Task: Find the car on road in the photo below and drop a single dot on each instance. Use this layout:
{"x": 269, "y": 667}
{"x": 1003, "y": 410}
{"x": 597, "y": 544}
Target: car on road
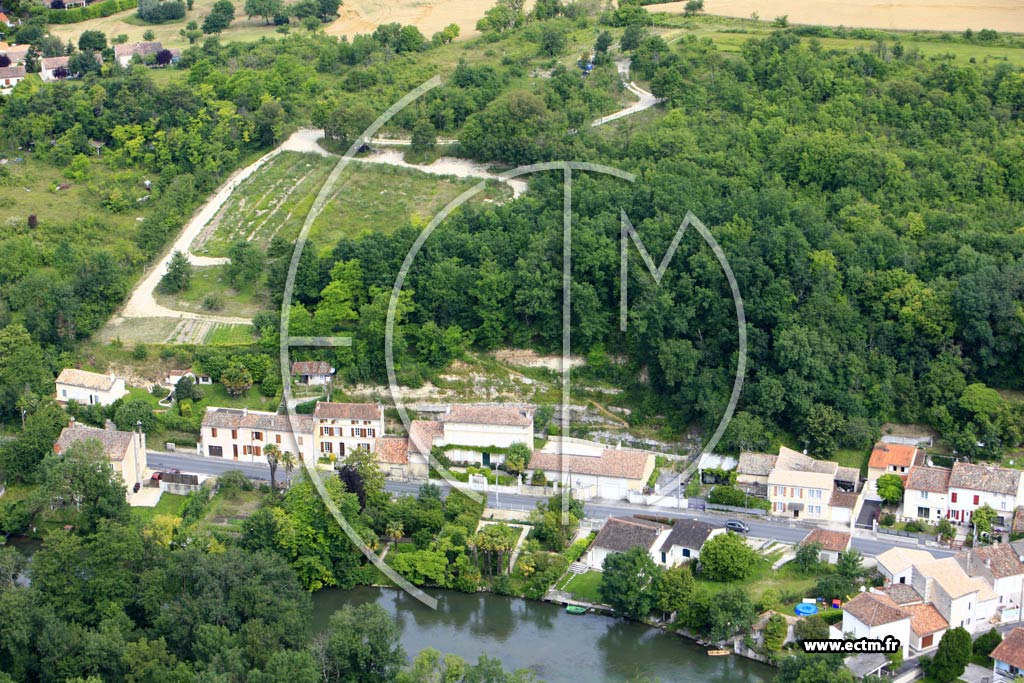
{"x": 737, "y": 526}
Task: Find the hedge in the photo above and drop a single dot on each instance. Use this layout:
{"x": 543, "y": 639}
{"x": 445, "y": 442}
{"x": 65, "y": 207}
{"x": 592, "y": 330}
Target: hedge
{"x": 728, "y": 495}
{"x": 97, "y": 9}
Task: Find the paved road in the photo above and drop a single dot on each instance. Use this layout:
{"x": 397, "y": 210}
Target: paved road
{"x": 779, "y": 530}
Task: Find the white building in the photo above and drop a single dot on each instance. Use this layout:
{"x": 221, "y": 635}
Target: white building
{"x": 1008, "y": 657}
{"x": 340, "y": 428}
{"x": 49, "y": 68}
{"x": 479, "y": 433}
{"x": 593, "y": 470}
{"x": 621, "y": 534}
{"x": 831, "y": 544}
{"x": 971, "y": 486}
{"x": 890, "y": 458}
{"x": 926, "y": 493}
{"x": 802, "y": 487}
{"x": 10, "y": 76}
{"x": 89, "y": 388}
{"x": 1002, "y": 568}
{"x": 961, "y": 599}
{"x": 896, "y": 565}
{"x": 241, "y": 435}
{"x": 312, "y": 372}
{"x": 876, "y": 616}
{"x": 125, "y": 52}
{"x": 685, "y": 541}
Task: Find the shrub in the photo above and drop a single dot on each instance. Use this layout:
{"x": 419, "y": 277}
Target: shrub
{"x": 888, "y": 519}
{"x": 730, "y": 495}
{"x": 914, "y": 526}
{"x": 157, "y": 12}
{"x": 987, "y": 642}
{"x": 140, "y": 352}
{"x": 233, "y": 482}
{"x": 538, "y": 478}
{"x": 213, "y": 302}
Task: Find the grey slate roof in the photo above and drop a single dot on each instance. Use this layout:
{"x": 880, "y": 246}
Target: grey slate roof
{"x": 984, "y": 478}
{"x": 689, "y": 533}
{"x": 620, "y": 534}
{"x": 115, "y": 443}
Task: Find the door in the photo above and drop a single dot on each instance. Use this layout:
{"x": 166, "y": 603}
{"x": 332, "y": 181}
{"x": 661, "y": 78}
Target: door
{"x": 234, "y": 449}
{"x": 487, "y": 460}
{"x": 796, "y": 513}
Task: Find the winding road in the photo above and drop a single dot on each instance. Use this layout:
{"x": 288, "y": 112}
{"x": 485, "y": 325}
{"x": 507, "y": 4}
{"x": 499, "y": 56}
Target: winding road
{"x": 142, "y": 302}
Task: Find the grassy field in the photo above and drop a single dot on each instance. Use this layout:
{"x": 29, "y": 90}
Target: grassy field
{"x": 367, "y": 198}
{"x": 212, "y": 281}
{"x": 169, "y": 504}
{"x": 229, "y": 511}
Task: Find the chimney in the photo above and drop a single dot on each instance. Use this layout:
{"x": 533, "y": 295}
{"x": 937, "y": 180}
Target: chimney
{"x": 245, "y": 412}
{"x": 988, "y": 562}
{"x": 72, "y": 422}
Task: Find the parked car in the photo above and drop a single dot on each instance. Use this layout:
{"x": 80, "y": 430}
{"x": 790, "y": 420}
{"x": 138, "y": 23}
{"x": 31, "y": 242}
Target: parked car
{"x": 135, "y": 489}
{"x": 156, "y": 476}
{"x": 737, "y": 526}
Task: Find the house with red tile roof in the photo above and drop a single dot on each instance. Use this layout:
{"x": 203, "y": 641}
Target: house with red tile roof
{"x": 1008, "y": 657}
{"x": 831, "y": 543}
{"x": 592, "y": 469}
{"x": 890, "y": 458}
{"x": 876, "y": 616}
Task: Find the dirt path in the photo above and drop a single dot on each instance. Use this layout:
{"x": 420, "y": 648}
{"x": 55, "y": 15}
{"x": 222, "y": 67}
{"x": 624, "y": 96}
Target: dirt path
{"x": 646, "y": 100}
{"x": 142, "y": 303}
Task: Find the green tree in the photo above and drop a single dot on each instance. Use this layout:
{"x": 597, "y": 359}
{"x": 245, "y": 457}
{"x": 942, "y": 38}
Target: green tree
{"x": 361, "y": 645}
{"x": 237, "y": 379}
{"x": 267, "y": 9}
{"x": 518, "y": 458}
{"x": 220, "y": 17}
{"x": 693, "y": 7}
{"x": 82, "y": 475}
{"x": 603, "y": 43}
{"x": 552, "y": 41}
{"x": 727, "y": 557}
{"x": 986, "y": 642}
{"x": 806, "y": 668}
{"x": 673, "y": 589}
{"x": 128, "y": 414}
{"x": 632, "y": 37}
{"x": 178, "y": 276}
{"x": 850, "y": 564}
{"x": 346, "y": 121}
{"x": 775, "y": 631}
{"x": 808, "y": 557}
{"x": 811, "y": 628}
{"x": 628, "y": 581}
{"x": 822, "y": 427}
{"x": 187, "y": 390}
{"x": 424, "y": 136}
{"x": 952, "y": 657}
{"x": 246, "y": 264}
{"x": 273, "y": 455}
{"x": 20, "y": 457}
{"x": 22, "y": 365}
{"x": 890, "y": 488}
{"x": 983, "y": 518}
{"x": 92, "y": 41}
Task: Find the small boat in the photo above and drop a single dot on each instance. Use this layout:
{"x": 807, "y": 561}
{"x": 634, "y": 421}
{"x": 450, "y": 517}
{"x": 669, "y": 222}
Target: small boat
{"x": 719, "y": 653}
{"x": 575, "y": 609}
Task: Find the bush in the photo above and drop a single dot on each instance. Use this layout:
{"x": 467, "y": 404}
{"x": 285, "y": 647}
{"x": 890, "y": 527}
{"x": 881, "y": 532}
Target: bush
{"x": 915, "y": 526}
{"x": 93, "y": 11}
{"x": 730, "y": 495}
{"x": 233, "y": 482}
{"x": 575, "y": 551}
{"x": 140, "y": 352}
{"x": 987, "y": 642}
{"x": 213, "y": 302}
{"x": 538, "y": 478}
{"x": 185, "y": 408}
{"x": 157, "y": 12}
{"x": 888, "y": 519}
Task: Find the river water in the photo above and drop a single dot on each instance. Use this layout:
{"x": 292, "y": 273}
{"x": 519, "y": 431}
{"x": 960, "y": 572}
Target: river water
{"x": 558, "y": 647}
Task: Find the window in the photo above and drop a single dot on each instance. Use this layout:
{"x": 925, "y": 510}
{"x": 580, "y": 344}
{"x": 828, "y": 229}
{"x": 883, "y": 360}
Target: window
{"x": 924, "y": 495}
{"x": 234, "y": 433}
{"x": 257, "y": 436}
{"x": 1002, "y": 505}
{"x": 686, "y": 552}
{"x": 213, "y": 432}
{"x": 365, "y": 446}
{"x": 326, "y": 447}
{"x": 373, "y": 432}
{"x": 952, "y": 497}
{"x": 923, "y": 512}
{"x": 927, "y": 640}
{"x": 63, "y": 392}
{"x": 277, "y": 438}
{"x": 216, "y": 452}
{"x": 814, "y": 509}
{"x": 300, "y": 440}
{"x": 976, "y": 499}
{"x": 664, "y": 558}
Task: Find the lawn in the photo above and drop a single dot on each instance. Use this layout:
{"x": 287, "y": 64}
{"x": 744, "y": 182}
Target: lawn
{"x": 169, "y": 504}
{"x": 787, "y": 582}
{"x": 853, "y": 457}
{"x": 229, "y": 511}
{"x": 230, "y": 335}
{"x": 582, "y": 586}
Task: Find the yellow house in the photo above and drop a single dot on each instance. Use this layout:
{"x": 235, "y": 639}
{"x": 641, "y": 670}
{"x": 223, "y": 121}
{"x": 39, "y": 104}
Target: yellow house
{"x": 125, "y": 450}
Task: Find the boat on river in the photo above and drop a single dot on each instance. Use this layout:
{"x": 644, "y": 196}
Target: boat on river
{"x": 575, "y": 609}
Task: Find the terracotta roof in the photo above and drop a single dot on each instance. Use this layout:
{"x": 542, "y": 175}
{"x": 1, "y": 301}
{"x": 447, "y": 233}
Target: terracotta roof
{"x": 613, "y": 462}
{"x": 12, "y": 72}
{"x": 83, "y": 378}
{"x": 984, "y": 478}
{"x": 1001, "y": 560}
{"x": 517, "y": 416}
{"x": 393, "y": 450}
{"x": 836, "y": 541}
{"x": 885, "y": 454}
{"x": 3, "y": 18}
{"x": 347, "y": 411}
{"x": 311, "y": 367}
{"x": 756, "y": 464}
{"x": 54, "y": 62}
{"x": 952, "y": 578}
{"x": 843, "y": 499}
{"x": 234, "y": 418}
{"x": 932, "y": 479}
{"x": 925, "y": 619}
{"x": 902, "y": 594}
{"x": 872, "y": 609}
{"x": 422, "y": 434}
{"x": 689, "y": 533}
{"x": 1011, "y": 650}
{"x": 624, "y": 533}
{"x": 115, "y": 443}
{"x": 897, "y": 560}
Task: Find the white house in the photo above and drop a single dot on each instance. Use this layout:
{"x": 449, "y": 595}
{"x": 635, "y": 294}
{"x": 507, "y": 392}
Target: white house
{"x": 1008, "y": 657}
{"x": 242, "y": 435}
{"x": 312, "y": 372}
{"x": 1001, "y": 567}
{"x": 620, "y": 534}
{"x": 926, "y": 493}
{"x": 876, "y": 616}
{"x": 831, "y": 543}
{"x": 896, "y": 565}
{"x": 971, "y": 486}
{"x": 125, "y": 52}
{"x": 89, "y": 388}
{"x": 889, "y": 458}
{"x": 10, "y": 76}
{"x": 340, "y": 428}
{"x": 125, "y": 450}
{"x": 593, "y": 469}
{"x": 685, "y": 541}
{"x": 961, "y": 599}
{"x": 49, "y": 68}
{"x": 479, "y": 433}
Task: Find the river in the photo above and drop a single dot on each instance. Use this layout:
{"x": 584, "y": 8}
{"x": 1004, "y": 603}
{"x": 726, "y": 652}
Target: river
{"x": 558, "y": 647}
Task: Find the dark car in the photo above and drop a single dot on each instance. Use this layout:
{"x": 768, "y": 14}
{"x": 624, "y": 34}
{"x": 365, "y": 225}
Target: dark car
{"x": 737, "y": 526}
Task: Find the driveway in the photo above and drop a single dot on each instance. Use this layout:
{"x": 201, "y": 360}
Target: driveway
{"x": 870, "y": 512}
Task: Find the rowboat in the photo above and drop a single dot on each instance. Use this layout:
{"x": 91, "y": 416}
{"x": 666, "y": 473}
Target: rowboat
{"x": 718, "y": 653}
{"x": 575, "y": 609}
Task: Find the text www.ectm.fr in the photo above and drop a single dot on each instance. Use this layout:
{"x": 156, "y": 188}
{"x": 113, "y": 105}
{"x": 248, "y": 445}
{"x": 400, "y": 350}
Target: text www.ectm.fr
{"x": 885, "y": 645}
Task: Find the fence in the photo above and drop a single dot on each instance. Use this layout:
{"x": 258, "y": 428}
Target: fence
{"x": 735, "y": 508}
